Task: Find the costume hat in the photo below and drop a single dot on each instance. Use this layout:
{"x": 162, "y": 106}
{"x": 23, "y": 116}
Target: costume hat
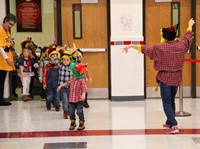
{"x": 170, "y": 32}
{"x": 74, "y": 54}
{"x": 29, "y": 44}
{"x": 78, "y": 70}
{"x": 65, "y": 54}
{"x": 51, "y": 51}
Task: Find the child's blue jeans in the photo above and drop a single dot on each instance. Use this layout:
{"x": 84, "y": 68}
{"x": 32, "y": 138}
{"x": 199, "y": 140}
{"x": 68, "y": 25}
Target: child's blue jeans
{"x": 78, "y": 107}
{"x": 64, "y": 94}
{"x": 168, "y": 94}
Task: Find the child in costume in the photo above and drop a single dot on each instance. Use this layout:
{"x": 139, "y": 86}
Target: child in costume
{"x": 77, "y": 55}
{"x": 78, "y": 89}
{"x": 26, "y": 65}
{"x": 28, "y": 43}
{"x": 168, "y": 61}
{"x": 44, "y": 60}
{"x": 64, "y": 76}
{"x": 50, "y": 81}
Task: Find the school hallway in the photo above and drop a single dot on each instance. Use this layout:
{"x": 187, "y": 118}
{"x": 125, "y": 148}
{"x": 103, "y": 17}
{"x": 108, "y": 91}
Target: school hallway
{"x": 109, "y": 125}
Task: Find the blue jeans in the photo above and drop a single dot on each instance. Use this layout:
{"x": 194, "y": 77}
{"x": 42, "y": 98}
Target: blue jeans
{"x": 168, "y": 94}
{"x": 79, "y": 107}
{"x": 64, "y": 94}
{"x": 52, "y": 96}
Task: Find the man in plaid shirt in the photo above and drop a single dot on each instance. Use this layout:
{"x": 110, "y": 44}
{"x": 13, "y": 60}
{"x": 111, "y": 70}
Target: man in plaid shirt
{"x": 168, "y": 60}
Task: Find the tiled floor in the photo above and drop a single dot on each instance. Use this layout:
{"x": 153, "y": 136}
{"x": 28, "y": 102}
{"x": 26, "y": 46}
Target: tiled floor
{"x": 109, "y": 125}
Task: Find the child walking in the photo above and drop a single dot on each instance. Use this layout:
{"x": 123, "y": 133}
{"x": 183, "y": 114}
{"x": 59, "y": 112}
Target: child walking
{"x": 64, "y": 76}
{"x": 77, "y": 56}
{"x": 28, "y": 43}
{"x": 50, "y": 81}
{"x": 44, "y": 60}
{"x": 78, "y": 89}
{"x": 26, "y": 65}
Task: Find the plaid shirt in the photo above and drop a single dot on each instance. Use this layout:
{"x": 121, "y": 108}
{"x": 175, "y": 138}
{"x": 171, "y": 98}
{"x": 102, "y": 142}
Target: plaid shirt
{"x": 77, "y": 88}
{"x": 169, "y": 59}
{"x": 64, "y": 71}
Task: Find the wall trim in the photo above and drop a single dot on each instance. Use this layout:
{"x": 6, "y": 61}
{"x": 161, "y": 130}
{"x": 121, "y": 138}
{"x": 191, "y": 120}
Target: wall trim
{"x": 127, "y": 98}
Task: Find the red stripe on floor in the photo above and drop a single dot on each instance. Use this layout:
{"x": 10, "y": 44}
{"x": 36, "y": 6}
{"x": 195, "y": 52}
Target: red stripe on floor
{"x": 93, "y": 133}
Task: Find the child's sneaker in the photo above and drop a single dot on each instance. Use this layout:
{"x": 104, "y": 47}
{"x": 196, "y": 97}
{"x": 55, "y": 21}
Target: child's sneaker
{"x": 166, "y": 125}
{"x": 65, "y": 116}
{"x": 173, "y": 130}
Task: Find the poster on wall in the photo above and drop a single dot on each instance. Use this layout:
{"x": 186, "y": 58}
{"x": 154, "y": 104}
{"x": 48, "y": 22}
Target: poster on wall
{"x": 29, "y": 18}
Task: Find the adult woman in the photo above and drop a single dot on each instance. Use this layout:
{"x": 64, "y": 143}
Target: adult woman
{"x": 6, "y": 53}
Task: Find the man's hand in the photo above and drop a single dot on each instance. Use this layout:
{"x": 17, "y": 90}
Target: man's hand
{"x": 191, "y": 22}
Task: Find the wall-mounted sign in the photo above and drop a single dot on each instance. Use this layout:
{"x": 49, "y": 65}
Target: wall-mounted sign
{"x": 28, "y": 14}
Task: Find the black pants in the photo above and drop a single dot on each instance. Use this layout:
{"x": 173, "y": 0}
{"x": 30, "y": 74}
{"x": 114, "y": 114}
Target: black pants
{"x": 2, "y": 82}
{"x": 14, "y": 83}
{"x": 32, "y": 85}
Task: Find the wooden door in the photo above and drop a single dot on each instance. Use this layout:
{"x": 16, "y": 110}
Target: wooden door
{"x": 198, "y": 44}
{"x": 94, "y": 35}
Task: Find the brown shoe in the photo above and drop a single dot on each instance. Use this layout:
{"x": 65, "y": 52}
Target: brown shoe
{"x": 24, "y": 98}
{"x": 72, "y": 125}
{"x": 29, "y": 97}
{"x": 81, "y": 125}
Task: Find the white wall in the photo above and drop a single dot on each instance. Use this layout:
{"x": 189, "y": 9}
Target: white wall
{"x": 127, "y": 70}
{"x": 43, "y": 38}
{"x": 3, "y": 10}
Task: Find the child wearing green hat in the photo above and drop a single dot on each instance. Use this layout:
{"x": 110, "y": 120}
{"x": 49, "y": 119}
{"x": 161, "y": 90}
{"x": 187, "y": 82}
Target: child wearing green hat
{"x": 77, "y": 55}
{"x": 78, "y": 90}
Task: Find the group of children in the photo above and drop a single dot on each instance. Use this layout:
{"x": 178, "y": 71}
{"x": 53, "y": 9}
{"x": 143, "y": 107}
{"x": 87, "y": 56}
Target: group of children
{"x": 62, "y": 76}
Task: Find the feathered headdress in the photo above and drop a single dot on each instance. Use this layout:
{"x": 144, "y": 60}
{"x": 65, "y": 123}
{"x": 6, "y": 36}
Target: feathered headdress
{"x": 29, "y": 44}
{"x": 78, "y": 70}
